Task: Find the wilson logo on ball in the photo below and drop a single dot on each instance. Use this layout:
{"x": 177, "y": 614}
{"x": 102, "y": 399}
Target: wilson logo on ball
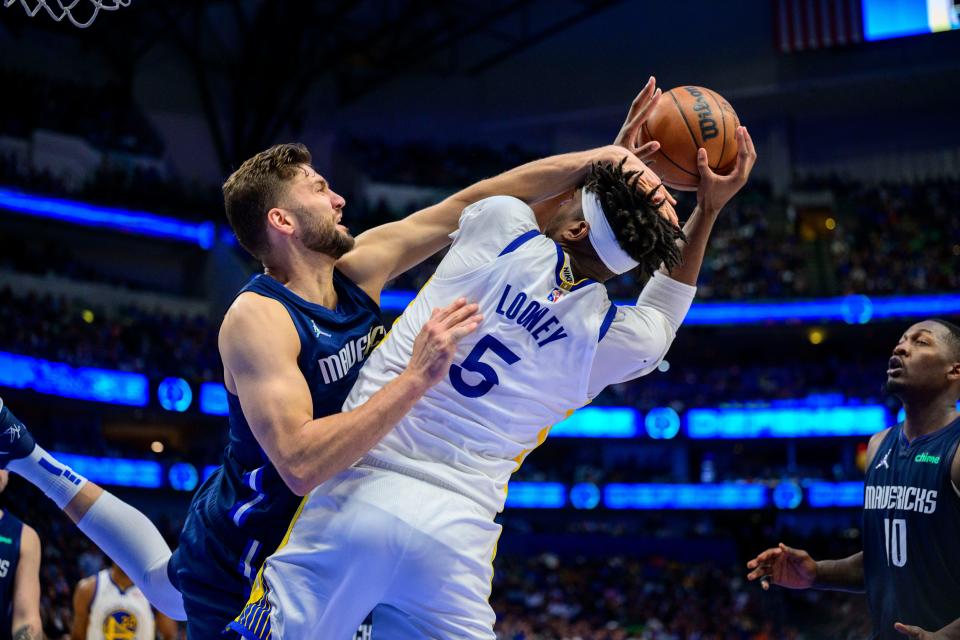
{"x": 708, "y": 126}
{"x": 689, "y": 117}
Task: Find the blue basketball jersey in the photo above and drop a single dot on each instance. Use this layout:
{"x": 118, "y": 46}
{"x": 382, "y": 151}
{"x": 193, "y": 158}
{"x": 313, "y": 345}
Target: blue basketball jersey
{"x": 911, "y": 525}
{"x": 10, "y": 529}
{"x": 241, "y": 512}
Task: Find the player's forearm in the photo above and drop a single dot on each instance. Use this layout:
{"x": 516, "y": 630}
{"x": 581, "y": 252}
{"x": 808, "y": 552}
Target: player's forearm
{"x": 841, "y": 575}
{"x": 697, "y": 231}
{"x": 326, "y": 446}
{"x": 542, "y": 179}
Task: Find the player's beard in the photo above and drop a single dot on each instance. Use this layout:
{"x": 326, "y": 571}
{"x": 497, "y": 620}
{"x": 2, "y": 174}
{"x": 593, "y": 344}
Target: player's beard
{"x": 324, "y": 237}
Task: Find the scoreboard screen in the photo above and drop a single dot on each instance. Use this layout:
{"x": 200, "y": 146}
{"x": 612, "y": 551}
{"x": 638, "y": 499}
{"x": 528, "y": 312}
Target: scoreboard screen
{"x": 884, "y": 19}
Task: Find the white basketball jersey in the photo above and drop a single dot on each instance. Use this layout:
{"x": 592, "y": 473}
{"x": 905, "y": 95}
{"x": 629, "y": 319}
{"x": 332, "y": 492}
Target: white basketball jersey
{"x": 117, "y": 614}
{"x": 523, "y": 370}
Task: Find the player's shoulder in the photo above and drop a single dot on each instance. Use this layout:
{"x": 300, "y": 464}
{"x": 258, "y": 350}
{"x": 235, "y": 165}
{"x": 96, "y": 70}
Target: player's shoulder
{"x": 879, "y": 436}
{"x": 87, "y": 586}
{"x": 29, "y": 542}
{"x": 29, "y": 535}
{"x": 253, "y": 324}
{"x": 502, "y": 201}
{"x": 252, "y": 313}
{"x": 875, "y": 441}
{"x": 500, "y": 207}
{"x": 84, "y": 593}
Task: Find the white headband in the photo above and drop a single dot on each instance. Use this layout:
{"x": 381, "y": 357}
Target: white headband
{"x": 601, "y": 235}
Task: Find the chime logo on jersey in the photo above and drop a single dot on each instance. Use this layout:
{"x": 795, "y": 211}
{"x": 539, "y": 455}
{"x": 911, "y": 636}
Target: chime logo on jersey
{"x": 926, "y": 457}
{"x": 339, "y": 364}
{"x": 120, "y": 625}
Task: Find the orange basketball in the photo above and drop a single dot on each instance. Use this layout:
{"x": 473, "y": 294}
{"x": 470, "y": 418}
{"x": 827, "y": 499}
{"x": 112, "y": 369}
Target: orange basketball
{"x": 685, "y": 119}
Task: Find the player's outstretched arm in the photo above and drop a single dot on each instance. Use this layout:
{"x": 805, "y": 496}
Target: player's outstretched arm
{"x": 276, "y": 400}
{"x": 384, "y": 252}
{"x": 714, "y": 192}
{"x": 26, "y": 589}
{"x": 795, "y": 569}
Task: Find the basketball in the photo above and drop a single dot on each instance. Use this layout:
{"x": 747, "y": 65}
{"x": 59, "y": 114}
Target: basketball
{"x": 686, "y": 119}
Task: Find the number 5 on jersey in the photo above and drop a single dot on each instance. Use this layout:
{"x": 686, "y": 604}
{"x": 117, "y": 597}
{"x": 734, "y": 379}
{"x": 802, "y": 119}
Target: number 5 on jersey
{"x": 474, "y": 363}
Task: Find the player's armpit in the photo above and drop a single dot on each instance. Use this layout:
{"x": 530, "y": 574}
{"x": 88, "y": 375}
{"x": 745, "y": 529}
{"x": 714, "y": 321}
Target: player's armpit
{"x": 633, "y": 346}
{"x": 26, "y": 589}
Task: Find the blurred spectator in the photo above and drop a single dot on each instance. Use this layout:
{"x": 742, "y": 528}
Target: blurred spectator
{"x": 105, "y": 115}
{"x": 128, "y": 339}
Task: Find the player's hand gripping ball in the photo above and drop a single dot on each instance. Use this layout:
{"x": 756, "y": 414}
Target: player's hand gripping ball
{"x": 683, "y": 120}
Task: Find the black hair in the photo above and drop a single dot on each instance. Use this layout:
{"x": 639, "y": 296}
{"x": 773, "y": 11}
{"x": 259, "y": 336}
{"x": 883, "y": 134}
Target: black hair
{"x": 953, "y": 331}
{"x": 641, "y": 231}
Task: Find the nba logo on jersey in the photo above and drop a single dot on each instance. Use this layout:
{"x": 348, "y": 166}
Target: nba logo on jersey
{"x": 120, "y": 625}
{"x": 555, "y": 295}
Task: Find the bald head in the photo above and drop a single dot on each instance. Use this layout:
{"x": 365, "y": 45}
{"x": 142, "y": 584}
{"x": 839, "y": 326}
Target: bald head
{"x": 926, "y": 361}
{"x": 951, "y": 335}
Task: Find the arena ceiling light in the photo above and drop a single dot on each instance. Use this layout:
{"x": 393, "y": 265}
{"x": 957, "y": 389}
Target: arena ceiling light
{"x": 122, "y": 220}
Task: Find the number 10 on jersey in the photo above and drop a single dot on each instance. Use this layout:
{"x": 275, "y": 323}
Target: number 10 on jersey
{"x": 895, "y": 534}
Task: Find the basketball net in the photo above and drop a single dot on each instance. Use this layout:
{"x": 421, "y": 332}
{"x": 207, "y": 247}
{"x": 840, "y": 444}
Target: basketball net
{"x": 59, "y": 9}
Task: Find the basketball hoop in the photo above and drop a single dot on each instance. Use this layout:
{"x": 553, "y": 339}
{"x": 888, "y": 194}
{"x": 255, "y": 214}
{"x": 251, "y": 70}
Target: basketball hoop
{"x": 58, "y": 9}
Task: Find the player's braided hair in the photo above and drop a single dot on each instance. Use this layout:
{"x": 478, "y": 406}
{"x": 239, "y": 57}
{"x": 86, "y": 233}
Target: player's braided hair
{"x": 641, "y": 231}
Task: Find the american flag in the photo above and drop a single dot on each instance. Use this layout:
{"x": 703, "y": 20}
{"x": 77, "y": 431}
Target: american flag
{"x": 817, "y": 24}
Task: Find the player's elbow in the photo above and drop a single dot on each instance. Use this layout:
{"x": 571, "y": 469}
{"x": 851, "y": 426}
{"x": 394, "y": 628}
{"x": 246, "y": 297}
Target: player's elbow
{"x": 296, "y": 477}
{"x": 302, "y": 476}
{"x": 304, "y": 464}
